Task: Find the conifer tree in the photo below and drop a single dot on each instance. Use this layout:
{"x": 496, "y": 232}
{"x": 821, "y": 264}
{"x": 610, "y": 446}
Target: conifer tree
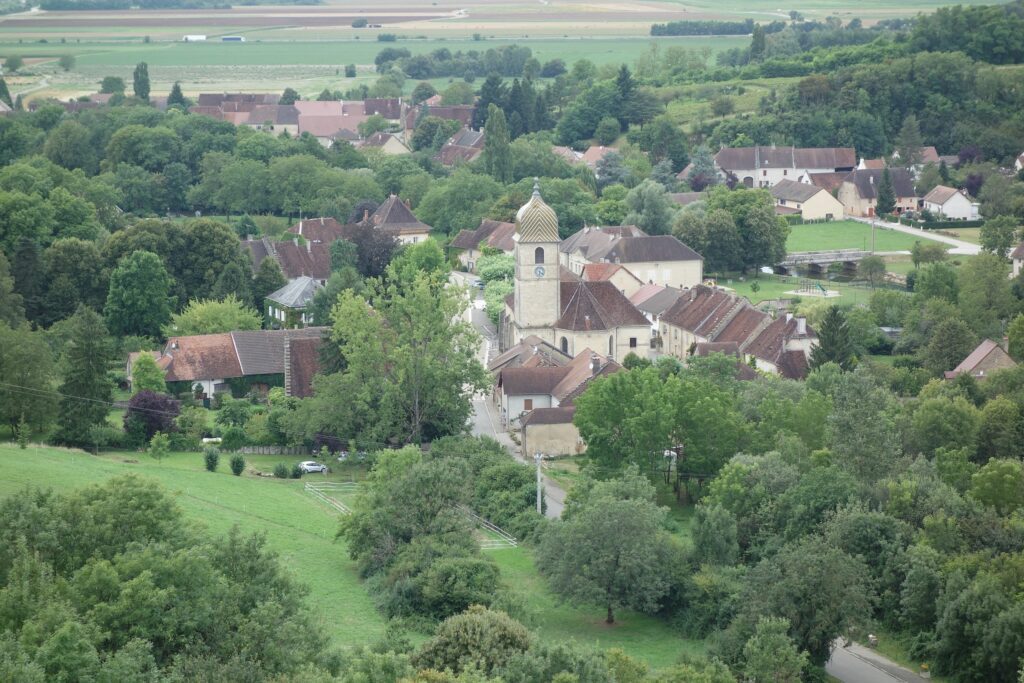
{"x": 86, "y": 391}
{"x": 886, "y": 203}
{"x": 176, "y": 97}
{"x": 140, "y": 81}
{"x": 834, "y": 344}
{"x": 5, "y": 94}
{"x": 497, "y": 155}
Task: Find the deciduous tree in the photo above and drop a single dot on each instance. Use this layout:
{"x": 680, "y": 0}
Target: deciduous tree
{"x": 140, "y": 81}
{"x": 207, "y": 316}
{"x": 138, "y": 301}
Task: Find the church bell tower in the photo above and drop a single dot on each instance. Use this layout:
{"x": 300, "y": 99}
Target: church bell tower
{"x": 537, "y": 286}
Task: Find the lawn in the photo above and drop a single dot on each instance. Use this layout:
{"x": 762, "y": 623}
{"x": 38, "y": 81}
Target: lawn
{"x": 298, "y": 528}
{"x": 641, "y": 636}
{"x": 777, "y": 287}
{"x": 846, "y": 235}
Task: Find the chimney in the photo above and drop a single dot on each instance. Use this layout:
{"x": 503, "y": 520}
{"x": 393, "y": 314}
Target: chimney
{"x": 366, "y": 214}
{"x": 789, "y": 316}
{"x": 586, "y": 322}
{"x": 595, "y": 364}
{"x": 406, "y": 202}
{"x": 801, "y": 326}
{"x": 693, "y": 294}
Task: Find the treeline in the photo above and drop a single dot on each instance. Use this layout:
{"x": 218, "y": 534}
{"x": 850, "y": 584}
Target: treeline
{"x": 988, "y": 33}
{"x": 704, "y": 28}
{"x": 507, "y": 60}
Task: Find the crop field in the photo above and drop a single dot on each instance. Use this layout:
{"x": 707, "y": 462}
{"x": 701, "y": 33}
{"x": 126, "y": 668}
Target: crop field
{"x": 302, "y": 530}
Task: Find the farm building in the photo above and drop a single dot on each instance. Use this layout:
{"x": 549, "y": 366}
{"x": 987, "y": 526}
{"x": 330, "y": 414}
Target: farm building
{"x": 811, "y": 201}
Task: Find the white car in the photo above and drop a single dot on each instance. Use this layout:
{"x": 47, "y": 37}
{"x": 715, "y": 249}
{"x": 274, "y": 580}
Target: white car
{"x": 308, "y": 466}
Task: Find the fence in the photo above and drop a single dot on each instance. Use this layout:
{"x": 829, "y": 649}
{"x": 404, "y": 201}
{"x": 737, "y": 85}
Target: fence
{"x": 325, "y": 492}
{"x": 503, "y": 540}
{"x": 274, "y": 450}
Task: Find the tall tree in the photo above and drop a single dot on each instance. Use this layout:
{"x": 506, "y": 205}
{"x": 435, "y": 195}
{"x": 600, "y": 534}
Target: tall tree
{"x": 999, "y": 234}
{"x": 886, "y": 202}
{"x": 650, "y": 209}
{"x": 233, "y": 280}
{"x": 491, "y": 92}
{"x": 86, "y": 390}
{"x": 29, "y": 276}
{"x": 26, "y": 367}
{"x": 268, "y": 280}
{"x": 12, "y": 305}
{"x": 140, "y": 81}
{"x": 702, "y": 172}
{"x": 138, "y": 302}
{"x": 757, "y": 44}
{"x": 176, "y": 98}
{"x": 625, "y": 88}
{"x": 871, "y": 268}
{"x": 909, "y": 142}
{"x": 771, "y": 655}
{"x": 5, "y": 94}
{"x": 212, "y": 316}
{"x": 497, "y": 155}
{"x": 147, "y": 375}
{"x": 289, "y": 96}
{"x": 834, "y": 343}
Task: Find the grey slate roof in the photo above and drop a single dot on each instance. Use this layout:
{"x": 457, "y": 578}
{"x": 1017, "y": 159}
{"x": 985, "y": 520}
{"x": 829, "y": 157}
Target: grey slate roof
{"x": 867, "y": 181}
{"x": 645, "y": 249}
{"x": 261, "y": 352}
{"x": 792, "y": 191}
{"x": 297, "y": 293}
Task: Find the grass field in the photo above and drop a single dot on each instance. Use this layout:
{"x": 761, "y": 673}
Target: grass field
{"x": 778, "y": 288}
{"x": 846, "y": 235}
{"x": 302, "y": 531}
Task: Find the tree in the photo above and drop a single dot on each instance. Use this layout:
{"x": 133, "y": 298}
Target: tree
{"x": 611, "y": 171}
{"x": 1000, "y": 484}
{"x": 703, "y": 172}
{"x": 138, "y": 301}
{"x": 834, "y": 343}
{"x": 140, "y": 81}
{"x": 985, "y": 298}
{"x": 423, "y": 91}
{"x": 714, "y": 535}
{"x": 205, "y": 316}
{"x": 70, "y": 145}
{"x": 26, "y": 364}
{"x": 66, "y": 62}
{"x": 909, "y": 143}
{"x": 211, "y": 246}
{"x": 112, "y": 85}
{"x": 762, "y": 232}
{"x": 289, "y": 96}
{"x": 147, "y": 375}
{"x": 937, "y": 281}
{"x": 478, "y": 639}
{"x": 757, "y": 44}
{"x": 886, "y": 201}
{"x": 5, "y": 94}
{"x": 1000, "y": 430}
{"x": 176, "y": 98}
{"x": 951, "y": 342}
{"x": 497, "y": 156}
{"x": 607, "y": 131}
{"x": 650, "y": 209}
{"x": 13, "y": 63}
{"x": 268, "y": 280}
{"x": 722, "y": 105}
{"x": 149, "y": 414}
{"x": 12, "y": 304}
{"x": 235, "y": 281}
{"x": 871, "y": 268}
{"x": 86, "y": 390}
{"x": 770, "y": 656}
{"x": 625, "y": 88}
{"x": 998, "y": 235}
{"x": 1015, "y": 332}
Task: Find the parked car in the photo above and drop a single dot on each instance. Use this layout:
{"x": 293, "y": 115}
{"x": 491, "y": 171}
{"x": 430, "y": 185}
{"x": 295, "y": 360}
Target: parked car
{"x": 308, "y": 466}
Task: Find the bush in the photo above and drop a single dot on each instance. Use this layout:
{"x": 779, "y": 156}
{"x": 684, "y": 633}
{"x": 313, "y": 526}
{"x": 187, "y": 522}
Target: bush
{"x": 281, "y": 470}
{"x": 233, "y": 438}
{"x": 296, "y": 472}
{"x": 237, "y": 465}
{"x": 211, "y": 456}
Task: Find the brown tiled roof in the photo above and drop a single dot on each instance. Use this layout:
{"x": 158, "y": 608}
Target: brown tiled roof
{"x": 471, "y": 239}
{"x": 646, "y": 292}
{"x": 501, "y": 238}
{"x": 1018, "y": 252}
{"x": 744, "y": 324}
{"x": 467, "y": 137}
{"x": 325, "y": 229}
{"x": 303, "y": 364}
{"x": 521, "y": 381}
{"x": 217, "y": 99}
{"x": 532, "y": 351}
{"x": 596, "y": 306}
{"x": 829, "y": 182}
{"x": 277, "y": 114}
{"x": 261, "y": 352}
{"x": 321, "y": 126}
{"x": 940, "y": 194}
{"x": 700, "y": 310}
{"x": 748, "y": 158}
{"x": 313, "y": 259}
{"x": 983, "y": 350}
{"x": 200, "y": 357}
{"x": 873, "y": 164}
{"x": 595, "y": 153}
{"x": 317, "y": 108}
{"x": 597, "y": 272}
{"x": 660, "y": 301}
{"x": 770, "y": 344}
{"x": 393, "y": 215}
{"x": 645, "y": 249}
{"x": 581, "y": 373}
{"x": 597, "y": 238}
{"x": 793, "y": 364}
{"x": 566, "y": 153}
{"x": 792, "y": 191}
{"x": 549, "y": 416}
{"x": 707, "y": 348}
{"x": 388, "y": 107}
{"x": 867, "y": 182}
{"x": 450, "y": 155}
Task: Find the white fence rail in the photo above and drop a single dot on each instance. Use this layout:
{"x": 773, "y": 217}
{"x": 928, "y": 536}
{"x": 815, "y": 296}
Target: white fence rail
{"x": 325, "y": 492}
{"x": 503, "y": 540}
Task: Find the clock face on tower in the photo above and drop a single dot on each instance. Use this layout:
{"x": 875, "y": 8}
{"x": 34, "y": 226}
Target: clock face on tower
{"x": 539, "y": 271}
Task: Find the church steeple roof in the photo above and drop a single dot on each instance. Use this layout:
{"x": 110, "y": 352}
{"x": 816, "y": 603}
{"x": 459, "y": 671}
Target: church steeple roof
{"x": 535, "y": 220}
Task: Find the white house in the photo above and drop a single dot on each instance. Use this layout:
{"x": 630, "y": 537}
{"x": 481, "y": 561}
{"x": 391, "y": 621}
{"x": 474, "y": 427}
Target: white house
{"x": 767, "y": 166}
{"x": 949, "y": 202}
{"x": 813, "y": 202}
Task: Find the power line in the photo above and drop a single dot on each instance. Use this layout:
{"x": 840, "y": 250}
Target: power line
{"x": 33, "y": 391}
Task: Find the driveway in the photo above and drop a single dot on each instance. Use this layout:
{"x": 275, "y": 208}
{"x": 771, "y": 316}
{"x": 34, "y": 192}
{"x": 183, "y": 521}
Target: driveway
{"x": 959, "y": 246}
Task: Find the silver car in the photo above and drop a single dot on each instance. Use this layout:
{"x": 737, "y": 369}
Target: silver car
{"x": 308, "y": 466}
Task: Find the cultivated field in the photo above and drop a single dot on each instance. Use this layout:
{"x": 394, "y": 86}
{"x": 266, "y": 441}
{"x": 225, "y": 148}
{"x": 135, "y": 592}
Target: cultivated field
{"x": 302, "y": 531}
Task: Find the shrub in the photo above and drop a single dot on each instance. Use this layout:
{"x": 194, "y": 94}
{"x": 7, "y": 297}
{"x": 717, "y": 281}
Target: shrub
{"x": 211, "y": 456}
{"x": 233, "y": 438}
{"x": 159, "y": 446}
{"x": 237, "y": 465}
{"x": 296, "y": 472}
{"x": 281, "y": 470}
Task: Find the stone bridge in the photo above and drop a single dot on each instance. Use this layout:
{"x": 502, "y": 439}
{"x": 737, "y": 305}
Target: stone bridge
{"x": 817, "y": 261}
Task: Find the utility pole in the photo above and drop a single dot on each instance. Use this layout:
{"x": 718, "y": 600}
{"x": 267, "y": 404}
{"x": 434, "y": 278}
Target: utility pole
{"x": 538, "y": 458}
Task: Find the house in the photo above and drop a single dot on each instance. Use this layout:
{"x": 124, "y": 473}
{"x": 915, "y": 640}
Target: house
{"x": 312, "y": 259}
{"x": 301, "y": 364}
{"x": 1017, "y": 256}
{"x": 661, "y": 259}
{"x": 928, "y": 155}
{"x": 859, "y": 191}
{"x": 522, "y": 389}
{"x": 811, "y": 201}
{"x": 531, "y": 352}
{"x": 323, "y": 230}
{"x": 594, "y": 154}
{"x": 206, "y": 364}
{"x": 653, "y": 300}
{"x": 387, "y": 143}
{"x": 574, "y": 251}
{"x": 274, "y": 118}
{"x": 572, "y": 315}
{"x": 567, "y": 154}
{"x": 463, "y": 113}
{"x": 949, "y": 202}
{"x": 982, "y": 361}
{"x": 463, "y": 147}
{"x": 624, "y": 280}
{"x": 766, "y": 166}
{"x": 471, "y": 243}
{"x": 395, "y": 216}
{"x": 706, "y": 314}
{"x": 286, "y": 307}
{"x": 829, "y": 182}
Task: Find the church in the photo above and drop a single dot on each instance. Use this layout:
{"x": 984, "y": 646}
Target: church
{"x": 552, "y": 303}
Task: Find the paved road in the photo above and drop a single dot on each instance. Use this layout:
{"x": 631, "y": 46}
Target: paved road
{"x": 485, "y": 419}
{"x": 959, "y": 246}
{"x": 858, "y": 664}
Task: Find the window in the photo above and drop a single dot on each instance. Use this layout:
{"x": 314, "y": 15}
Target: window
{"x": 565, "y": 345}
{"x": 764, "y": 173}
{"x": 632, "y": 342}
{"x": 784, "y": 172}
{"x": 527, "y": 404}
{"x": 538, "y": 255}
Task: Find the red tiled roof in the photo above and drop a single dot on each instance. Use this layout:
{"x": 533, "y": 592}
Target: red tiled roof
{"x": 303, "y": 364}
{"x": 200, "y": 357}
{"x": 395, "y": 216}
{"x": 596, "y": 306}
